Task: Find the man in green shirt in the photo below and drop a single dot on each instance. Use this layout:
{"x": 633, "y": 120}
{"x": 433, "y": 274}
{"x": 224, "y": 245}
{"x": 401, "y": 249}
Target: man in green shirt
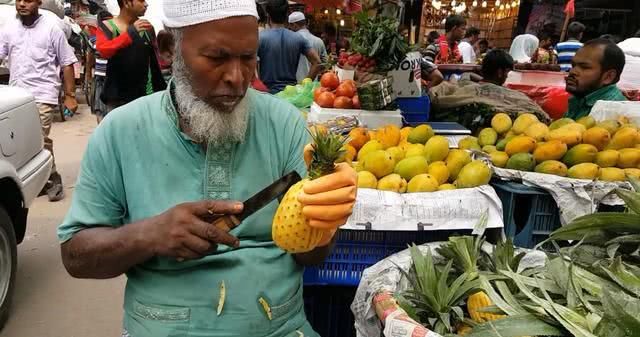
{"x": 157, "y": 168}
{"x": 596, "y": 70}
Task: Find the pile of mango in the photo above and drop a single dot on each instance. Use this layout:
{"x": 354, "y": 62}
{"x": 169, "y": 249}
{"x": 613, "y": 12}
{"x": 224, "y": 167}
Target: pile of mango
{"x": 581, "y": 149}
{"x": 411, "y": 160}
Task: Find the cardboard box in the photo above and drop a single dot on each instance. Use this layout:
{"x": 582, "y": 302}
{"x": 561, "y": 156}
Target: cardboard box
{"x": 407, "y": 77}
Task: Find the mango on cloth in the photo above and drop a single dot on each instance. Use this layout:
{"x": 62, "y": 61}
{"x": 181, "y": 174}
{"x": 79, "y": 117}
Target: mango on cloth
{"x": 487, "y": 136}
{"x": 393, "y": 183}
{"x": 455, "y": 161}
{"x": 552, "y": 167}
{"x": 379, "y": 162}
{"x": 607, "y": 158}
{"x": 501, "y": 122}
{"x": 587, "y": 121}
{"x": 632, "y": 172}
{"x": 610, "y": 125}
{"x": 396, "y": 152}
{"x": 537, "y": 131}
{"x": 358, "y": 137}
{"x": 439, "y": 171}
{"x": 446, "y": 187}
{"x": 521, "y": 161}
{"x": 629, "y": 158}
{"x": 612, "y": 174}
{"x": 567, "y": 136}
{"x": 469, "y": 143}
{"x": 422, "y": 183}
{"x": 414, "y": 150}
{"x": 368, "y": 147}
{"x": 502, "y": 144}
{"x": 551, "y": 150}
{"x": 436, "y": 149}
{"x": 624, "y": 138}
{"x": 584, "y": 171}
{"x": 388, "y": 136}
{"x": 499, "y": 158}
{"x": 411, "y": 166}
{"x": 560, "y": 123}
{"x": 420, "y": 134}
{"x": 474, "y": 174}
{"x": 597, "y": 136}
{"x": 520, "y": 144}
{"x": 366, "y": 179}
{"x": 581, "y": 153}
{"x": 522, "y": 123}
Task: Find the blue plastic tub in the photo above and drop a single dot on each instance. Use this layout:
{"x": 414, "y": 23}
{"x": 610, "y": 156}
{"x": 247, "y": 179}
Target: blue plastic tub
{"x": 328, "y": 309}
{"x": 414, "y": 110}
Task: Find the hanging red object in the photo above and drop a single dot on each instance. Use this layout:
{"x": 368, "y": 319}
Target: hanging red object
{"x": 570, "y": 8}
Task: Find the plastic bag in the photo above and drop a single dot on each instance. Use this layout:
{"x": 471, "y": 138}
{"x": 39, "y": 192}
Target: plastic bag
{"x": 301, "y": 95}
{"x": 553, "y": 100}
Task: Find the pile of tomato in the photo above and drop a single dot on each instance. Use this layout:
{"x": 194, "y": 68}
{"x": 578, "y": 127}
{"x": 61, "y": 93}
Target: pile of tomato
{"x": 356, "y": 61}
{"x": 333, "y": 94}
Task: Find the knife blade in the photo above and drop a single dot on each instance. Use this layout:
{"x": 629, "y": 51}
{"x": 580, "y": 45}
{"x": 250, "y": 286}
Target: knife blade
{"x": 275, "y": 190}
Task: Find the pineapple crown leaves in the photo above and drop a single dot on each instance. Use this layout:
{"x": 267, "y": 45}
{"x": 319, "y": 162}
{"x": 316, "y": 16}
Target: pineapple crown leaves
{"x": 465, "y": 251}
{"x": 327, "y": 149}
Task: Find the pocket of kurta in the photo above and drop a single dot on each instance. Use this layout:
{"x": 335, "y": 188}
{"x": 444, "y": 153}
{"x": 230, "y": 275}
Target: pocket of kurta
{"x": 159, "y": 320}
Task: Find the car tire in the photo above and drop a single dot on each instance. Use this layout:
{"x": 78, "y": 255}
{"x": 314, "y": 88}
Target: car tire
{"x": 8, "y": 263}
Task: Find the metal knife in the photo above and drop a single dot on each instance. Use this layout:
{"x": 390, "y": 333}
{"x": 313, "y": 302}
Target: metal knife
{"x": 276, "y": 190}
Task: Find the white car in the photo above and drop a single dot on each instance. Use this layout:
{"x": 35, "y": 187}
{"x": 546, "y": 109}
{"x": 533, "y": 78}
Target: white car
{"x": 24, "y": 170}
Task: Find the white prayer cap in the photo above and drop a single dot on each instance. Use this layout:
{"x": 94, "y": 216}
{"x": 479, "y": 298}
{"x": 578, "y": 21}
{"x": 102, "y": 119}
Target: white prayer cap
{"x": 182, "y": 13}
{"x": 296, "y": 17}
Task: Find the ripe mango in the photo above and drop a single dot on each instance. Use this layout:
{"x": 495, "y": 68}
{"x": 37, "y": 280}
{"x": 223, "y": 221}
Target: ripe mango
{"x": 552, "y": 167}
{"x": 607, "y": 158}
{"x": 522, "y": 123}
{"x": 499, "y": 158}
{"x": 420, "y": 134}
{"x": 396, "y": 152}
{"x": 379, "y": 162}
{"x": 520, "y": 144}
{"x": 612, "y": 174}
{"x": 358, "y": 166}
{"x": 629, "y": 158}
{"x": 436, "y": 149}
{"x": 573, "y": 126}
{"x": 537, "y": 131}
{"x": 446, "y": 187}
{"x": 392, "y": 182}
{"x": 522, "y": 162}
{"x": 632, "y": 172}
{"x": 625, "y": 137}
{"x": 551, "y": 150}
{"x": 581, "y": 153}
{"x": 422, "y": 183}
{"x": 597, "y": 136}
{"x": 569, "y": 137}
{"x": 584, "y": 171}
{"x": 587, "y": 121}
{"x": 439, "y": 171}
{"x": 414, "y": 150}
{"x": 476, "y": 173}
{"x": 489, "y": 148}
{"x": 412, "y": 166}
{"x": 388, "y": 136}
{"x": 487, "y": 136}
{"x": 404, "y": 132}
{"x": 510, "y": 134}
{"x": 610, "y": 125}
{"x": 358, "y": 137}
{"x": 501, "y": 122}
{"x": 455, "y": 161}
{"x": 367, "y": 179}
{"x": 560, "y": 123}
{"x": 469, "y": 143}
{"x": 503, "y": 143}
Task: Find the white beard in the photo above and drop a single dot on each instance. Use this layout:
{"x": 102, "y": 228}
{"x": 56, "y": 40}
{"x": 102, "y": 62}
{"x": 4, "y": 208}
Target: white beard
{"x": 206, "y": 123}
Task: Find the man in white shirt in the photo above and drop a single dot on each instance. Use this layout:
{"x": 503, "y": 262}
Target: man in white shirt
{"x": 466, "y": 46}
{"x": 298, "y": 24}
{"x": 630, "y": 77}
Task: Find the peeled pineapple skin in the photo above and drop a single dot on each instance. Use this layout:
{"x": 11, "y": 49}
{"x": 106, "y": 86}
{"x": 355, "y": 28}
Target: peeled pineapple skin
{"x": 290, "y": 229}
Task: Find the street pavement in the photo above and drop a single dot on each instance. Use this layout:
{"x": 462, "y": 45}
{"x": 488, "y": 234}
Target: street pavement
{"x": 47, "y": 301}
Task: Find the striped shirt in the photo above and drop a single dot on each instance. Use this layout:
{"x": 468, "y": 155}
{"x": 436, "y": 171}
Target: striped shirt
{"x": 566, "y": 51}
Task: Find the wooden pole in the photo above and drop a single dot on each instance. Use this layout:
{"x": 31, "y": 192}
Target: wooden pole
{"x": 567, "y": 18}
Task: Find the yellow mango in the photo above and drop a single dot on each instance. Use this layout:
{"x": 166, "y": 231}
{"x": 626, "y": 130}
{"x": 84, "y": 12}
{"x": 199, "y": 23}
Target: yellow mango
{"x": 522, "y": 123}
{"x": 552, "y": 167}
{"x": 629, "y": 158}
{"x": 581, "y": 153}
{"x": 499, "y": 158}
{"x": 569, "y": 137}
{"x": 501, "y": 122}
{"x": 537, "y": 131}
{"x": 551, "y": 150}
{"x": 625, "y": 137}
{"x": 597, "y": 136}
{"x": 607, "y": 158}
{"x": 520, "y": 144}
{"x": 584, "y": 171}
{"x": 612, "y": 174}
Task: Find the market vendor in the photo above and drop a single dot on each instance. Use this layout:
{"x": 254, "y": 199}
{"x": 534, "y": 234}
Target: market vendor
{"x": 595, "y": 71}
{"x": 445, "y": 49}
{"x": 159, "y": 168}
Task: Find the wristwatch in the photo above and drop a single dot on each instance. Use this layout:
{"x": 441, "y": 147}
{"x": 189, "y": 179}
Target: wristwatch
{"x": 70, "y": 95}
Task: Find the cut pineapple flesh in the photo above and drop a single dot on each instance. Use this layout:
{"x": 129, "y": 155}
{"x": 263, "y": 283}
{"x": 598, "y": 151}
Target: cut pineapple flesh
{"x": 479, "y": 301}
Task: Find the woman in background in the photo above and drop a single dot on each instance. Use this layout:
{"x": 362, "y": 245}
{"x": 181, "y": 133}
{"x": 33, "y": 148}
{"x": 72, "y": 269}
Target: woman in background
{"x": 523, "y": 48}
{"x": 166, "y": 44}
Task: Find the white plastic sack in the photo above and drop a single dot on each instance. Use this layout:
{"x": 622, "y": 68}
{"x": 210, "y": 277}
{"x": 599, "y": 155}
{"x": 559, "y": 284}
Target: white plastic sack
{"x": 630, "y": 78}
{"x": 604, "y": 110}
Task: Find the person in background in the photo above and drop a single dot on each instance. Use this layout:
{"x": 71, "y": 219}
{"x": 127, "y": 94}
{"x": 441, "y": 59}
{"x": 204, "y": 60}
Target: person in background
{"x": 496, "y": 66}
{"x": 467, "y": 44}
{"x": 36, "y": 50}
{"x": 630, "y": 77}
{"x": 100, "y": 75}
{"x": 128, "y": 42}
{"x": 612, "y": 37}
{"x": 523, "y": 48}
{"x": 431, "y": 76}
{"x": 262, "y": 18}
{"x": 280, "y": 50}
{"x": 329, "y": 37}
{"x": 483, "y": 47}
{"x": 445, "y": 49}
{"x": 566, "y": 50}
{"x": 543, "y": 54}
{"x": 596, "y": 68}
{"x": 432, "y": 37}
{"x": 298, "y": 23}
{"x": 166, "y": 45}
{"x": 404, "y": 32}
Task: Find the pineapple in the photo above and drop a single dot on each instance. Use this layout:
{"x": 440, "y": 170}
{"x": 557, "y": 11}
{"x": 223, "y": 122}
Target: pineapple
{"x": 291, "y": 230}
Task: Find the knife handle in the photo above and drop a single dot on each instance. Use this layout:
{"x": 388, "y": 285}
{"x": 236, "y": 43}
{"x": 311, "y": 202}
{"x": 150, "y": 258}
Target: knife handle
{"x": 226, "y": 222}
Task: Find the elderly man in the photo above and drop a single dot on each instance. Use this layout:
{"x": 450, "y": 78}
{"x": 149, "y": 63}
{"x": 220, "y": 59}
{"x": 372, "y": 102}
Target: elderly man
{"x": 156, "y": 169}
{"x": 595, "y": 71}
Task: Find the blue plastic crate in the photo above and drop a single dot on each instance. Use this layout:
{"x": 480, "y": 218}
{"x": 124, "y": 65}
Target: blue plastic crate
{"x": 414, "y": 110}
{"x": 357, "y": 250}
{"x": 328, "y": 310}
{"x": 530, "y": 213}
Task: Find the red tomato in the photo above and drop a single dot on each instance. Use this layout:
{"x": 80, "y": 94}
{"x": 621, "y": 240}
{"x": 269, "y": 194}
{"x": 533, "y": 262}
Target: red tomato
{"x": 318, "y": 91}
{"x": 326, "y": 99}
{"x": 342, "y": 102}
{"x": 346, "y": 90}
{"x": 330, "y": 80}
{"x": 356, "y": 102}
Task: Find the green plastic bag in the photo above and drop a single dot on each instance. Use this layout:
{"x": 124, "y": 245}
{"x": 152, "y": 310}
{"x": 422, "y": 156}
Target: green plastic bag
{"x": 301, "y": 95}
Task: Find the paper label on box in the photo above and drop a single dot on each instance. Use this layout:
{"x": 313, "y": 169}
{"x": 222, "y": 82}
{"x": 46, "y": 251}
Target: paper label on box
{"x": 407, "y": 77}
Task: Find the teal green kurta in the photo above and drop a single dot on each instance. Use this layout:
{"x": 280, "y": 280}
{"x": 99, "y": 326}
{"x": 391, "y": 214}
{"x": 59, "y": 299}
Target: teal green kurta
{"x": 581, "y": 106}
{"x": 138, "y": 164}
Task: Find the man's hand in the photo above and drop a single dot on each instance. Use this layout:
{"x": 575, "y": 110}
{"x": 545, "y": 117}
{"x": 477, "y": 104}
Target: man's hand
{"x": 70, "y": 103}
{"x": 142, "y": 25}
{"x": 182, "y": 233}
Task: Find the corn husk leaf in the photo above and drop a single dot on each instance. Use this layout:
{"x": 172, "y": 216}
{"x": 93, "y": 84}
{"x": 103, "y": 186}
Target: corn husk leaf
{"x": 515, "y": 326}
